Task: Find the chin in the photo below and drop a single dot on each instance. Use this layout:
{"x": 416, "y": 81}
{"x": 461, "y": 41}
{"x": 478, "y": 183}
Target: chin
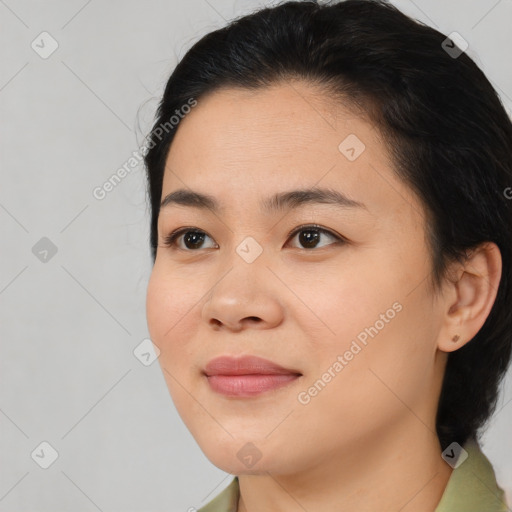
{"x": 241, "y": 456}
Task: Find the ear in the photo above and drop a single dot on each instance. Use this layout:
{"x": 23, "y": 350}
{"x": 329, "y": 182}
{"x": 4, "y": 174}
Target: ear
{"x": 470, "y": 296}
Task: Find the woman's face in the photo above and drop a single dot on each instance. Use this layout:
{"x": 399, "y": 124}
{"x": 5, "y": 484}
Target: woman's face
{"x": 353, "y": 315}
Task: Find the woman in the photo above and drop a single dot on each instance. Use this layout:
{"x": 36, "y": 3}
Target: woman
{"x": 331, "y": 225}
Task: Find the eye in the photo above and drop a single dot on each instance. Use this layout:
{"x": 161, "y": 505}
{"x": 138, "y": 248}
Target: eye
{"x": 310, "y": 235}
{"x": 193, "y": 238}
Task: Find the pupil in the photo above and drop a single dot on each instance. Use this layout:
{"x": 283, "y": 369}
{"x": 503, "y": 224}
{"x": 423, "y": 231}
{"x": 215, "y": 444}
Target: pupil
{"x": 194, "y": 237}
{"x": 307, "y": 239}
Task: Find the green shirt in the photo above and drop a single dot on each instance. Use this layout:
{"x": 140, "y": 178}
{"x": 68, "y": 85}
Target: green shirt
{"x": 472, "y": 487}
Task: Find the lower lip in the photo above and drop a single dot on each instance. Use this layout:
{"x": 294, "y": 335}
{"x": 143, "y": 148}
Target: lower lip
{"x": 248, "y": 385}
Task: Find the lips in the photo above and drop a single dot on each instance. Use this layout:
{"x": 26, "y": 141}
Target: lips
{"x": 246, "y": 365}
{"x": 247, "y": 376}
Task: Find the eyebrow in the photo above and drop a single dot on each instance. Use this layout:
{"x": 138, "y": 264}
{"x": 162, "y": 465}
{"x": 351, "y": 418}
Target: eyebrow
{"x": 278, "y": 202}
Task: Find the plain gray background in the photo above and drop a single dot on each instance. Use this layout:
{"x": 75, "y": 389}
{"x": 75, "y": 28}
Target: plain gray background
{"x": 71, "y": 319}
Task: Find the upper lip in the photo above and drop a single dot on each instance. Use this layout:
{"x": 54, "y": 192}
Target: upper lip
{"x": 245, "y": 365}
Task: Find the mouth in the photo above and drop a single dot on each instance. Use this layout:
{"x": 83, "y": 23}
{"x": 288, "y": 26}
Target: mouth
{"x": 247, "y": 376}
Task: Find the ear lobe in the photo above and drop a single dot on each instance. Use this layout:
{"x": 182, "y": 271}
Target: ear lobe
{"x": 475, "y": 291}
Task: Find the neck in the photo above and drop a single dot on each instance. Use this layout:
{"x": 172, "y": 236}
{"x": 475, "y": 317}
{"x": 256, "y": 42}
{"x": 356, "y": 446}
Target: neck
{"x": 401, "y": 471}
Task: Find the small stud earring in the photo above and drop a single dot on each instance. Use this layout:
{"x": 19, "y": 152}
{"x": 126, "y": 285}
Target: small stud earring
{"x": 456, "y": 338}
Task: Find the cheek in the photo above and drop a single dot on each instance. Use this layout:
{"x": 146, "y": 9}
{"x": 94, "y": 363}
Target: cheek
{"x": 168, "y": 300}
{"x": 374, "y": 384}
{"x": 173, "y": 311}
{"x": 158, "y": 301}
{"x": 169, "y": 308}
{"x": 382, "y": 331}
{"x": 340, "y": 304}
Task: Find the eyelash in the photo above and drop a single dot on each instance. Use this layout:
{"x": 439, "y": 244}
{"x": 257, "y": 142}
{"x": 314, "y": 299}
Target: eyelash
{"x": 170, "y": 240}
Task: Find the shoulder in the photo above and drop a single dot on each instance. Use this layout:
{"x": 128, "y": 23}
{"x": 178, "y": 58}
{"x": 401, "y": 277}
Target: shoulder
{"x": 472, "y": 486}
{"x": 226, "y": 501}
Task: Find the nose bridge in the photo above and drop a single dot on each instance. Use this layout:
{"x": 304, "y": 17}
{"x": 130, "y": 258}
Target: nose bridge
{"x": 244, "y": 271}
{"x": 243, "y": 289}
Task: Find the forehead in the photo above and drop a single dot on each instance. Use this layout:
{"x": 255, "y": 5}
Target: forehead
{"x": 281, "y": 119}
{"x": 291, "y": 135}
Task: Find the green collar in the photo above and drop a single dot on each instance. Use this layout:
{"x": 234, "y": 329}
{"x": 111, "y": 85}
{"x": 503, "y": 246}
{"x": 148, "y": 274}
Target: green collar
{"x": 472, "y": 487}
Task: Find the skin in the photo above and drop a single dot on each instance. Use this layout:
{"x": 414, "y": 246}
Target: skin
{"x": 367, "y": 440}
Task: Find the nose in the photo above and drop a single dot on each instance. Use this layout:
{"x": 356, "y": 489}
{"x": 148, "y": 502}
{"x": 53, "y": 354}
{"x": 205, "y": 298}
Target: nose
{"x": 245, "y": 296}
